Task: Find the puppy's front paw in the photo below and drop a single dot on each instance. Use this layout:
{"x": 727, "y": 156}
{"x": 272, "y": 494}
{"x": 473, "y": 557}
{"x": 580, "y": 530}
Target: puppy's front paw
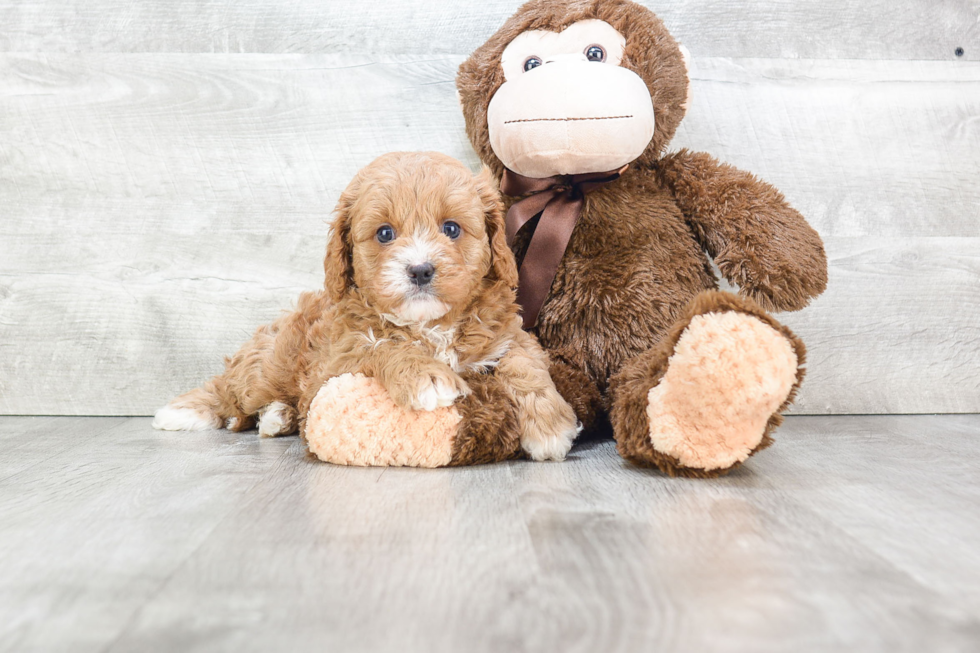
{"x": 551, "y": 446}
{"x": 428, "y": 389}
{"x": 437, "y": 390}
{"x": 550, "y": 429}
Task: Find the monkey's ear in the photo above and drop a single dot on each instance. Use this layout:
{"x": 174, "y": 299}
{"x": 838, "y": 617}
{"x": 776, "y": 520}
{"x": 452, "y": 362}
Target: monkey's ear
{"x": 338, "y": 265}
{"x": 503, "y": 267}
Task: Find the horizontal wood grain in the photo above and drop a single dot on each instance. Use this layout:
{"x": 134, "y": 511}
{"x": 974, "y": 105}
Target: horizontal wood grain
{"x": 875, "y": 29}
{"x": 861, "y": 148}
{"x": 191, "y": 141}
{"x": 132, "y": 327}
{"x": 898, "y": 330}
{"x": 850, "y": 533}
{"x": 156, "y": 208}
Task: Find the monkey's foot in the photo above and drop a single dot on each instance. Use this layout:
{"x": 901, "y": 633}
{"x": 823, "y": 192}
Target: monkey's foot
{"x": 711, "y": 393}
{"x": 354, "y": 421}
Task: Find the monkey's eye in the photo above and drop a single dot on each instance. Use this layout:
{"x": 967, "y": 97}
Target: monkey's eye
{"x": 385, "y": 234}
{"x": 531, "y": 62}
{"x": 451, "y": 229}
{"x": 595, "y": 53}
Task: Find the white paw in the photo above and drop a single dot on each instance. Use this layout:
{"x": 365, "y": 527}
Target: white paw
{"x": 274, "y": 420}
{"x": 551, "y": 447}
{"x": 437, "y": 392}
{"x": 170, "y": 418}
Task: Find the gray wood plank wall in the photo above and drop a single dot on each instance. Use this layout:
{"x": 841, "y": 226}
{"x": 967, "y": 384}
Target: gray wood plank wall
{"x": 167, "y": 175}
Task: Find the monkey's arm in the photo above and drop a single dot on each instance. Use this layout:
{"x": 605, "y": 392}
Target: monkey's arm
{"x": 759, "y": 242}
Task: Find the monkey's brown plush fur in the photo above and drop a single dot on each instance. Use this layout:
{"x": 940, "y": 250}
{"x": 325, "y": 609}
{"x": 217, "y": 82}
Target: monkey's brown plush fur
{"x": 636, "y": 275}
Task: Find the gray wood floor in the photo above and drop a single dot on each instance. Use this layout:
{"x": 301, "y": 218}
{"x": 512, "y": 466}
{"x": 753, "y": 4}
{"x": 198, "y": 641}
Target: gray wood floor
{"x": 852, "y": 533}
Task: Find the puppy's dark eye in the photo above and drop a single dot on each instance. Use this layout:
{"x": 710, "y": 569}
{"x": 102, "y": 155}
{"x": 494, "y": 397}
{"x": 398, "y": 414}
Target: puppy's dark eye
{"x": 451, "y": 229}
{"x": 531, "y": 62}
{"x": 385, "y": 234}
{"x": 595, "y": 53}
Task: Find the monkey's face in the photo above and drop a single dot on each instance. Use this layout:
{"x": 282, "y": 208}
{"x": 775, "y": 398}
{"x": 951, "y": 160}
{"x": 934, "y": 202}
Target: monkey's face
{"x": 567, "y": 106}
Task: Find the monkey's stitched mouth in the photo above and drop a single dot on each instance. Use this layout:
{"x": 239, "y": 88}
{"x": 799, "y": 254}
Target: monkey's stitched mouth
{"x": 508, "y": 122}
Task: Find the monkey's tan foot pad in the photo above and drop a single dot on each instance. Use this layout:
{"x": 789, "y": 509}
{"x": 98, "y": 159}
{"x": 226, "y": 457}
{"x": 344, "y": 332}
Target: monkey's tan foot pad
{"x": 354, "y": 421}
{"x": 729, "y": 372}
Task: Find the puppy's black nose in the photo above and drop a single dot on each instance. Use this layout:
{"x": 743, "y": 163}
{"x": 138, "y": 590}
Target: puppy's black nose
{"x": 422, "y": 274}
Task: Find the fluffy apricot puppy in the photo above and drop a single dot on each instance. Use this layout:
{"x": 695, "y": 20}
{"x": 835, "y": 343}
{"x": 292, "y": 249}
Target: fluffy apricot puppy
{"x": 413, "y": 353}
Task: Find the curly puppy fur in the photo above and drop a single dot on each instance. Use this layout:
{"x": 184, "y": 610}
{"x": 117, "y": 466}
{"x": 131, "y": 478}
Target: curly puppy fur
{"x": 452, "y": 339}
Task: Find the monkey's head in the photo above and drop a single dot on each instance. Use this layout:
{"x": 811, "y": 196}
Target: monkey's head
{"x": 574, "y": 86}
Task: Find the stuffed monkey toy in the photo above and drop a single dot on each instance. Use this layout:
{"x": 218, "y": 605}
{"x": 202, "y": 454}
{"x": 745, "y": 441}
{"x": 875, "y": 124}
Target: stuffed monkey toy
{"x": 572, "y": 104}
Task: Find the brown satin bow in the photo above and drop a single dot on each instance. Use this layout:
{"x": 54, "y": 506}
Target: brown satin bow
{"x": 559, "y": 201}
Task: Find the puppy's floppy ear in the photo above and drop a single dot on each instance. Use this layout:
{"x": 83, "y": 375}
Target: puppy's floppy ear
{"x": 503, "y": 267}
{"x": 338, "y": 265}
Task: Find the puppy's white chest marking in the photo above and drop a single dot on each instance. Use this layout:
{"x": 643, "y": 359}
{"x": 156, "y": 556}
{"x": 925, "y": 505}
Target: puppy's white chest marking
{"x": 372, "y": 340}
{"x": 442, "y": 340}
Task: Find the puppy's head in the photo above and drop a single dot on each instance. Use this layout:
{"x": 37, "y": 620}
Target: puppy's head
{"x": 418, "y": 235}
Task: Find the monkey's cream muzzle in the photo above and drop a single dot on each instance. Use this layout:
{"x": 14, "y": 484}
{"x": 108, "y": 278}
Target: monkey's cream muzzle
{"x": 570, "y": 116}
